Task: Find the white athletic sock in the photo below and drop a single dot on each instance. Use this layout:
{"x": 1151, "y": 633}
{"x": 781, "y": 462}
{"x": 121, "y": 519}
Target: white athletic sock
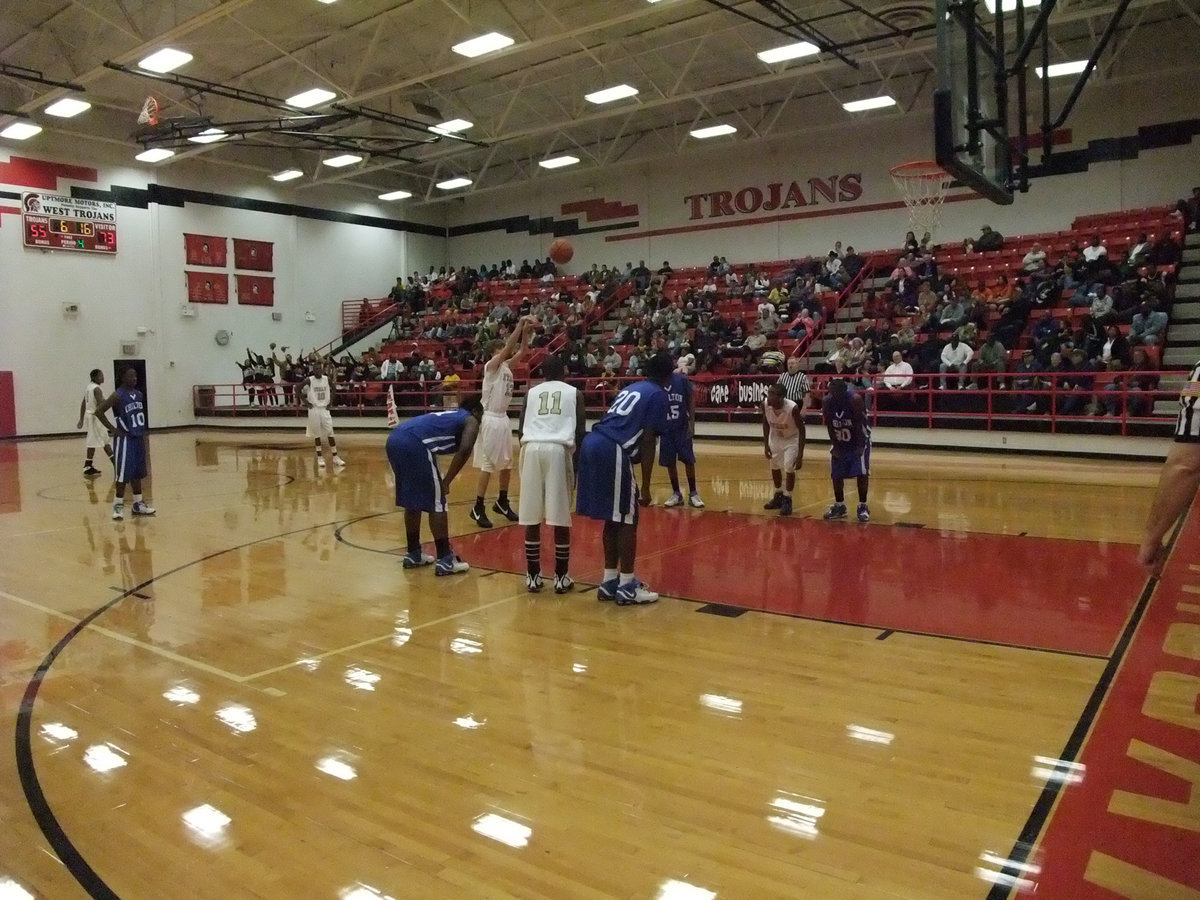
{"x": 626, "y": 577}
{"x": 137, "y": 498}
{"x": 610, "y": 574}
{"x": 787, "y": 493}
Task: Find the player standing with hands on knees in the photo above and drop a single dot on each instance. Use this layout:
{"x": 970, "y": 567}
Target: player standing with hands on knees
{"x": 129, "y": 442}
{"x": 493, "y": 450}
{"x": 625, "y": 435}
{"x": 420, "y": 487}
{"x": 553, "y": 421}
{"x": 783, "y": 443}
{"x": 1180, "y": 476}
{"x": 93, "y": 396}
{"x": 850, "y": 446}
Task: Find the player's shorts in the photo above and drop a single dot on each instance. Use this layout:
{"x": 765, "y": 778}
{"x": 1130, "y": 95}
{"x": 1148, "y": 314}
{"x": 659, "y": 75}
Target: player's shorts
{"x": 418, "y": 480}
{"x": 320, "y": 424}
{"x": 605, "y": 490}
{"x": 546, "y": 476}
{"x": 493, "y": 447}
{"x": 850, "y": 465}
{"x": 97, "y": 434}
{"x": 785, "y": 452}
{"x": 129, "y": 458}
{"x": 676, "y": 445}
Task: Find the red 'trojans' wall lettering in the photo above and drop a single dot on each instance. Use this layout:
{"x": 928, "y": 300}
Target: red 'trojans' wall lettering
{"x": 834, "y": 189}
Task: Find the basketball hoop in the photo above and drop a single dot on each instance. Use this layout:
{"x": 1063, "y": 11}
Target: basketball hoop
{"x": 149, "y": 113}
{"x": 923, "y": 186}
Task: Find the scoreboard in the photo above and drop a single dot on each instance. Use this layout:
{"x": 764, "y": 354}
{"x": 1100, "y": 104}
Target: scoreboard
{"x": 57, "y": 222}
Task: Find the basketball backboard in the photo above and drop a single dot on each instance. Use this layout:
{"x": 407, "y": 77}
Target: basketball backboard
{"x": 971, "y": 139}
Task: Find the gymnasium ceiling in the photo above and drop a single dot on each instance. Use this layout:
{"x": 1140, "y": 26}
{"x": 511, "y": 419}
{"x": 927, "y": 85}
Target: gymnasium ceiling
{"x": 391, "y": 66}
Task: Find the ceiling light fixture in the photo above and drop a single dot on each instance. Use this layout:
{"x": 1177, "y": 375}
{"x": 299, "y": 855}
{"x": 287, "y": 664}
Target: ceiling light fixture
{"x": 155, "y": 154}
{"x": 165, "y": 60}
{"x": 485, "y": 43}
{"x": 608, "y": 95}
{"x": 869, "y": 103}
{"x": 209, "y": 136}
{"x": 451, "y": 127}
{"x": 338, "y": 162}
{"x": 67, "y": 107}
{"x": 310, "y": 98}
{"x": 395, "y": 195}
{"x": 557, "y": 162}
{"x": 20, "y": 131}
{"x": 713, "y": 131}
{"x": 453, "y": 183}
{"x": 286, "y": 175}
{"x": 1009, "y": 5}
{"x": 788, "y": 51}
{"x": 1058, "y": 69}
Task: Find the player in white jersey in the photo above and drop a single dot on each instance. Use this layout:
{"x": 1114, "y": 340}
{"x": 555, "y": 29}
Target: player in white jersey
{"x": 783, "y": 444}
{"x": 1180, "y": 477}
{"x": 97, "y": 434}
{"x": 493, "y": 449}
{"x": 552, "y": 424}
{"x": 318, "y": 394}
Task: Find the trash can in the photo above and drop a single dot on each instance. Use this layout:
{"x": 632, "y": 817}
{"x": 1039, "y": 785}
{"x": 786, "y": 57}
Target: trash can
{"x": 206, "y": 397}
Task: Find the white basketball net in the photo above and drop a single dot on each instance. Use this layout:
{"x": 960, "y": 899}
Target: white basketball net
{"x": 923, "y": 186}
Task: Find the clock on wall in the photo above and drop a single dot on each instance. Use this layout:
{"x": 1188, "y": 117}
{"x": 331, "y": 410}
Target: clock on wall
{"x": 221, "y": 337}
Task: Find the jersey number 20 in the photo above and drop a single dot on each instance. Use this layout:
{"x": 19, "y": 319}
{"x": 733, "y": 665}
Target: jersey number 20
{"x": 624, "y": 404}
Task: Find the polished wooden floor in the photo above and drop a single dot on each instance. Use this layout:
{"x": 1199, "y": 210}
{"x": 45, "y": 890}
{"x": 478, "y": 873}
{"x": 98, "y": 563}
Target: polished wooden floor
{"x": 246, "y": 696}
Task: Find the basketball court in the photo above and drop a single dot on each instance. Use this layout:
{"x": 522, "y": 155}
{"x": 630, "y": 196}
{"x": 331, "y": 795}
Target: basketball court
{"x": 250, "y": 684}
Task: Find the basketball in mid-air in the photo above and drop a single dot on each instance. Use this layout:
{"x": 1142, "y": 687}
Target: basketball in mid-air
{"x": 561, "y": 251}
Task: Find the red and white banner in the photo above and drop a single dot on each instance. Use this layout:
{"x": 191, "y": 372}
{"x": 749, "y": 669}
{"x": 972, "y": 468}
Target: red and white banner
{"x": 255, "y": 290}
{"x": 393, "y": 416}
{"x": 254, "y": 255}
{"x": 204, "y": 250}
{"x": 207, "y": 287}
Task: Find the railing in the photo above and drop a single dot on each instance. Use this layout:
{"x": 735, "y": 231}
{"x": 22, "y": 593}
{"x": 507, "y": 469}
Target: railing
{"x": 831, "y": 310}
{"x": 1045, "y": 406}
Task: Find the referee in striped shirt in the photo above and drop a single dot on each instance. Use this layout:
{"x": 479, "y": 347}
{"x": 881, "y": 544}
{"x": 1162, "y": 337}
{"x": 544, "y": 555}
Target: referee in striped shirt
{"x": 1180, "y": 476}
{"x": 796, "y": 386}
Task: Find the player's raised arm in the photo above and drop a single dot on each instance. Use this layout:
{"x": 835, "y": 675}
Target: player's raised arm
{"x": 511, "y": 344}
{"x": 529, "y": 323}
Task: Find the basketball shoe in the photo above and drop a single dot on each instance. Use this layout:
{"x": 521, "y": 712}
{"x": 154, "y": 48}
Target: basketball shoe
{"x": 505, "y": 510}
{"x": 864, "y": 514}
{"x": 635, "y": 593}
{"x": 320, "y": 461}
{"x": 775, "y": 502}
{"x": 450, "y": 564}
{"x": 676, "y": 499}
{"x": 608, "y": 589}
{"x": 141, "y": 509}
{"x": 338, "y": 461}
{"x": 837, "y": 511}
{"x": 695, "y": 500}
{"x": 533, "y": 582}
{"x": 479, "y": 516}
{"x": 414, "y": 560}
{"x": 785, "y": 507}
{"x": 118, "y": 512}
{"x": 563, "y": 583}
{"x": 90, "y": 471}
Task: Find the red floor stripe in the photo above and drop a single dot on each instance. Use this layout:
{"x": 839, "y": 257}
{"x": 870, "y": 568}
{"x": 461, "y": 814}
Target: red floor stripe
{"x": 1069, "y": 596}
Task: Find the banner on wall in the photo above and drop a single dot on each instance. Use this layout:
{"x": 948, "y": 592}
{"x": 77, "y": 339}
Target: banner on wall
{"x": 207, "y": 287}
{"x": 732, "y": 393}
{"x": 253, "y": 255}
{"x": 204, "y": 250}
{"x": 255, "y": 290}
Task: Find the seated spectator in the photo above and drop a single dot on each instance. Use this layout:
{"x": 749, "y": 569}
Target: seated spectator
{"x": 634, "y": 368}
{"x": 611, "y": 362}
{"x": 852, "y": 263}
{"x": 1026, "y": 380}
{"x": 899, "y": 375}
{"x": 968, "y": 333}
{"x": 1189, "y": 209}
{"x": 1144, "y": 380}
{"x": 1079, "y": 386}
{"x": 951, "y": 314}
{"x": 1095, "y": 256}
{"x": 1137, "y": 256}
{"x": 911, "y": 245}
{"x": 1147, "y": 326}
{"x": 992, "y": 360}
{"x": 1165, "y": 251}
{"x": 955, "y": 357}
{"x": 767, "y": 323}
{"x": 1047, "y": 338}
{"x": 855, "y": 355}
{"x": 988, "y": 240}
{"x": 836, "y": 360}
{"x": 1034, "y": 260}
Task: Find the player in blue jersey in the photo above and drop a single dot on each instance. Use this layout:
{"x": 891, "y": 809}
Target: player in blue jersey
{"x": 676, "y": 441}
{"x": 845, "y": 417}
{"x": 129, "y": 442}
{"x": 606, "y": 490}
{"x": 420, "y": 486}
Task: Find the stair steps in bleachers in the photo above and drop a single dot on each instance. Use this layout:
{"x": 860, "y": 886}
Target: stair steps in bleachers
{"x": 1185, "y": 311}
{"x": 1185, "y": 290}
{"x": 1191, "y": 255}
{"x": 1184, "y": 332}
